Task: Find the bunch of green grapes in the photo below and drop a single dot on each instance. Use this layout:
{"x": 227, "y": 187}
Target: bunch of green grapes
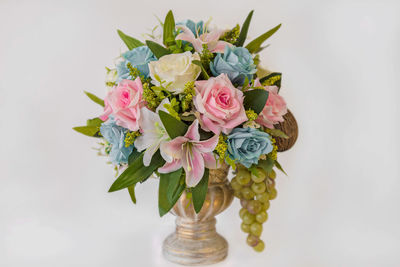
{"x": 255, "y": 189}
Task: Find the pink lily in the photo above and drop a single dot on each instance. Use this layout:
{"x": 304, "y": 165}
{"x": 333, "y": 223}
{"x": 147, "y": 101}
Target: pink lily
{"x": 190, "y": 153}
{"x": 211, "y": 39}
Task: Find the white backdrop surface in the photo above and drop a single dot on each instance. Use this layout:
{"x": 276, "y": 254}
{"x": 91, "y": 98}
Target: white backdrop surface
{"x": 339, "y": 206}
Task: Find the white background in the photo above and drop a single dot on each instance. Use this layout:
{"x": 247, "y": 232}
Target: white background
{"x": 339, "y": 206}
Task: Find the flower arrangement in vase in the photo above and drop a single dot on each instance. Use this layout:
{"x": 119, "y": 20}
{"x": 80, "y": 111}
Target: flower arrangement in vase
{"x": 185, "y": 107}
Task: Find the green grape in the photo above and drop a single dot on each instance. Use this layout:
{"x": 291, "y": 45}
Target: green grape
{"x": 272, "y": 174}
{"x": 254, "y": 206}
{"x": 265, "y": 205}
{"x": 243, "y": 177}
{"x": 245, "y": 227}
{"x": 247, "y": 193}
{"x": 235, "y": 184}
{"x": 240, "y": 167}
{"x": 258, "y": 175}
{"x": 255, "y": 190}
{"x": 244, "y": 203}
{"x": 258, "y": 188}
{"x": 273, "y": 193}
{"x": 263, "y": 197}
{"x": 249, "y": 218}
{"x": 256, "y": 229}
{"x": 259, "y": 247}
{"x": 270, "y": 183}
{"x": 252, "y": 240}
{"x": 237, "y": 194}
{"x": 261, "y": 217}
{"x": 242, "y": 212}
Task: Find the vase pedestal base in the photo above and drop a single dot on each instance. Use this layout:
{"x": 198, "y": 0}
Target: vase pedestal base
{"x": 195, "y": 243}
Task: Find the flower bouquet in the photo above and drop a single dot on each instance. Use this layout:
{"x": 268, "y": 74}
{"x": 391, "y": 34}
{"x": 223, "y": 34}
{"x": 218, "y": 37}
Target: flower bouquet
{"x": 189, "y": 103}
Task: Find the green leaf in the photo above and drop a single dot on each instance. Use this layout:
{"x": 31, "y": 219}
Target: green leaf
{"x": 174, "y": 184}
{"x": 279, "y": 167}
{"x": 169, "y": 27}
{"x": 255, "y": 99}
{"x": 245, "y": 28}
{"x": 95, "y": 99}
{"x": 274, "y": 78}
{"x": 266, "y": 164}
{"x": 173, "y": 126}
{"x": 203, "y": 70}
{"x": 276, "y": 132}
{"x": 129, "y": 41}
{"x": 190, "y": 117}
{"x": 94, "y": 122}
{"x": 137, "y": 172}
{"x": 131, "y": 190}
{"x": 133, "y": 156}
{"x": 199, "y": 192}
{"x": 157, "y": 49}
{"x": 166, "y": 203}
{"x": 205, "y": 135}
{"x": 92, "y": 131}
{"x": 246, "y": 82}
{"x": 255, "y": 45}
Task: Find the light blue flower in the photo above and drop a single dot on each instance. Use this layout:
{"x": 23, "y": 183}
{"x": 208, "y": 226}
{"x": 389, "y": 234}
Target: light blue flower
{"x": 196, "y": 28}
{"x": 115, "y": 135}
{"x": 246, "y": 145}
{"x": 139, "y": 57}
{"x": 236, "y": 62}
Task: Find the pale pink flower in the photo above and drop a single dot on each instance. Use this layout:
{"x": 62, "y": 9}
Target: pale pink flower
{"x": 124, "y": 103}
{"x": 190, "y": 153}
{"x": 274, "y": 109}
{"x": 220, "y": 104}
{"x": 211, "y": 39}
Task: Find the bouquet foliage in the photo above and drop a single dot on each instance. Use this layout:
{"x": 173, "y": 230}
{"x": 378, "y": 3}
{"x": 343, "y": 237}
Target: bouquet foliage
{"x": 189, "y": 100}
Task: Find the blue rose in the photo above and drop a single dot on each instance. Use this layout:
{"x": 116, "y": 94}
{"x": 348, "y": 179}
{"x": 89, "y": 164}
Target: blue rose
{"x": 246, "y": 145}
{"x": 139, "y": 58}
{"x": 115, "y": 135}
{"x": 196, "y": 28}
{"x": 236, "y": 62}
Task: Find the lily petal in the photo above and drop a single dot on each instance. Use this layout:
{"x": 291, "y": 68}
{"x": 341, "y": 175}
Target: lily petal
{"x": 208, "y": 145}
{"x": 162, "y": 107}
{"x": 210, "y": 162}
{"x": 148, "y": 154}
{"x": 193, "y": 131}
{"x": 220, "y": 47}
{"x": 173, "y": 148}
{"x": 171, "y": 166}
{"x": 187, "y": 35}
{"x": 193, "y": 163}
{"x": 148, "y": 119}
{"x": 146, "y": 140}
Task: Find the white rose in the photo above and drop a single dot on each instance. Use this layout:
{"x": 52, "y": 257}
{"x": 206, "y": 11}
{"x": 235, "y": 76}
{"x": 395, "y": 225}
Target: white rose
{"x": 174, "y": 71}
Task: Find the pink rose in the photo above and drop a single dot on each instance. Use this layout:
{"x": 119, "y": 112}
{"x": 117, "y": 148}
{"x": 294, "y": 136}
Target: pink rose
{"x": 274, "y": 109}
{"x": 220, "y": 104}
{"x": 124, "y": 103}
